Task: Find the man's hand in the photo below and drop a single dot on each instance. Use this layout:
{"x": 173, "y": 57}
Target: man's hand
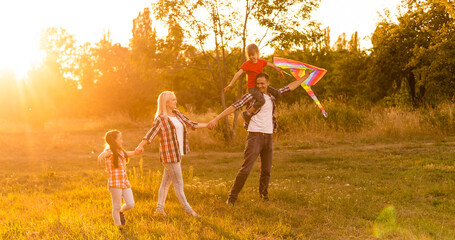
{"x": 212, "y": 124}
{"x": 296, "y": 83}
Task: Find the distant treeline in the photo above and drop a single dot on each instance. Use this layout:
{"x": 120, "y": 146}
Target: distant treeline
{"x": 411, "y": 63}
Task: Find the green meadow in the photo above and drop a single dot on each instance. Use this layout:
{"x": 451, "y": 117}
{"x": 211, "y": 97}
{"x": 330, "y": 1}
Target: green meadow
{"x": 371, "y": 183}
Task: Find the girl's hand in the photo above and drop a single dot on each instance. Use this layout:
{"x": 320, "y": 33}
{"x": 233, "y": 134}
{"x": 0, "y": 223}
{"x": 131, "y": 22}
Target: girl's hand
{"x": 101, "y": 158}
{"x": 139, "y": 150}
{"x": 132, "y": 153}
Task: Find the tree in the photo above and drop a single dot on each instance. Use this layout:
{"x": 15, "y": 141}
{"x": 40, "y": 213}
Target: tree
{"x": 146, "y": 62}
{"x": 201, "y": 20}
{"x": 407, "y": 51}
{"x": 51, "y": 85}
{"x": 345, "y": 80}
{"x": 114, "y": 90}
{"x": 213, "y": 24}
{"x": 288, "y": 22}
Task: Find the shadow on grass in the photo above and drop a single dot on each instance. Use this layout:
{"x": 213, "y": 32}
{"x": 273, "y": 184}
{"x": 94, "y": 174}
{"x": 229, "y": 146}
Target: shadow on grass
{"x": 219, "y": 230}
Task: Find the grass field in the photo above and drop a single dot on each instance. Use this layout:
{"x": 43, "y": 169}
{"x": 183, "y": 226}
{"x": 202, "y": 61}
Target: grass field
{"x": 349, "y": 189}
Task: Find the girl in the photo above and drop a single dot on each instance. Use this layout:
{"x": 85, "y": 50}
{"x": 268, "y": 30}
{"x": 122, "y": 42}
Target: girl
{"x": 116, "y": 158}
{"x": 170, "y": 125}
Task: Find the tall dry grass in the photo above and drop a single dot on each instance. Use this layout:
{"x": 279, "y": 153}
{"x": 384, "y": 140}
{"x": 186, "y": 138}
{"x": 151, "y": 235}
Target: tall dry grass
{"x": 300, "y": 124}
{"x": 304, "y": 122}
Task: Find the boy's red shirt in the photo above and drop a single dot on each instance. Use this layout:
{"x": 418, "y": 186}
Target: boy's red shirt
{"x": 252, "y": 70}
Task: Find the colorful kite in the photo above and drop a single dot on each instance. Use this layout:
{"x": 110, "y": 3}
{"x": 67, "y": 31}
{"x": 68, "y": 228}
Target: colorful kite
{"x": 298, "y": 70}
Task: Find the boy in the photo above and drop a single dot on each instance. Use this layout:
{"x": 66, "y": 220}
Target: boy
{"x": 253, "y": 67}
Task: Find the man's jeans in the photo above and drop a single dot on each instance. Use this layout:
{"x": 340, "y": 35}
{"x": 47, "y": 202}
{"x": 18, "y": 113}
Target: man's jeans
{"x": 256, "y": 144}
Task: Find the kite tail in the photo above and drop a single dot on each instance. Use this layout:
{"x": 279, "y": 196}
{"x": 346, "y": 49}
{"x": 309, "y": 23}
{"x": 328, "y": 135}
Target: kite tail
{"x": 315, "y": 99}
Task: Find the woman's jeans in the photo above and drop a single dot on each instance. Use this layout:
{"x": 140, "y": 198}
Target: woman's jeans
{"x": 172, "y": 174}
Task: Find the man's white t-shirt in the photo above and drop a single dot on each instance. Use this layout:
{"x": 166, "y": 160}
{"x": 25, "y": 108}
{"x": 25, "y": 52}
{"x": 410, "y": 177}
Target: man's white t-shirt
{"x": 179, "y": 128}
{"x": 262, "y": 121}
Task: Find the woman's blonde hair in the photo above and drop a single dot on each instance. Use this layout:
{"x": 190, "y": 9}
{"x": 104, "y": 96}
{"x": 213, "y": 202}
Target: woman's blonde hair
{"x": 162, "y": 100}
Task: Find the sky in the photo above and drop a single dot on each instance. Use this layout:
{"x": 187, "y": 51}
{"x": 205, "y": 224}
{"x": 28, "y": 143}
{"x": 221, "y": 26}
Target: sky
{"x": 348, "y": 16}
{"x": 21, "y": 22}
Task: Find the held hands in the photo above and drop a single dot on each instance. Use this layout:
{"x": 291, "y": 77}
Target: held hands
{"x": 139, "y": 150}
{"x": 212, "y": 124}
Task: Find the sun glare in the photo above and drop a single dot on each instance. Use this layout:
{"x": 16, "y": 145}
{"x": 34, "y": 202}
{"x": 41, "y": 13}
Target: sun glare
{"x": 18, "y": 55}
{"x": 19, "y": 39}
{"x": 20, "y": 26}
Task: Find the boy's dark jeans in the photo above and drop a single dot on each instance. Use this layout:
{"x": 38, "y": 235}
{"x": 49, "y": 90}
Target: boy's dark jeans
{"x": 259, "y": 97}
{"x": 256, "y": 144}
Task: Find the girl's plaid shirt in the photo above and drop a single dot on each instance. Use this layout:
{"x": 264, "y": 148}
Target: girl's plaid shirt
{"x": 117, "y": 177}
{"x": 249, "y": 100}
{"x": 169, "y": 146}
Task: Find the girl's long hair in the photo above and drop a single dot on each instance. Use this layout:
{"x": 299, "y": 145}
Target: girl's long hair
{"x": 110, "y": 138}
{"x": 162, "y": 100}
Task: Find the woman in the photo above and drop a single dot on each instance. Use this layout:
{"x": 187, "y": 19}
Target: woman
{"x": 171, "y": 126}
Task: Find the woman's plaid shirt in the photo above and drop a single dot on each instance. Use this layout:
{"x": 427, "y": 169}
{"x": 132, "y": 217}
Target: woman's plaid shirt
{"x": 165, "y": 129}
{"x": 249, "y": 100}
{"x": 117, "y": 177}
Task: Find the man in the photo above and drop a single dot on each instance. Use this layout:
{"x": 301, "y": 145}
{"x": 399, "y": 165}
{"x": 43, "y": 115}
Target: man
{"x": 260, "y": 129}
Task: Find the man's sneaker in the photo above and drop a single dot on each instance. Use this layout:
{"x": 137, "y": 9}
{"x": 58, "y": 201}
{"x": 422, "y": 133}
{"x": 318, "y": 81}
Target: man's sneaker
{"x": 264, "y": 198}
{"x": 122, "y": 218}
{"x": 246, "y": 116}
{"x": 230, "y": 202}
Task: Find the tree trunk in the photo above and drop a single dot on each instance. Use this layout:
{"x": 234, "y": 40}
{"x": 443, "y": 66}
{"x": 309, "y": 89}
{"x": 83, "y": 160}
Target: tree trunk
{"x": 239, "y": 90}
{"x": 224, "y": 76}
{"x": 412, "y": 86}
{"x": 227, "y": 134}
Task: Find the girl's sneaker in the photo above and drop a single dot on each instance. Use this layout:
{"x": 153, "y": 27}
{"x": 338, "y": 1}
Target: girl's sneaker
{"x": 192, "y": 213}
{"x": 122, "y": 218}
{"x": 161, "y": 212}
